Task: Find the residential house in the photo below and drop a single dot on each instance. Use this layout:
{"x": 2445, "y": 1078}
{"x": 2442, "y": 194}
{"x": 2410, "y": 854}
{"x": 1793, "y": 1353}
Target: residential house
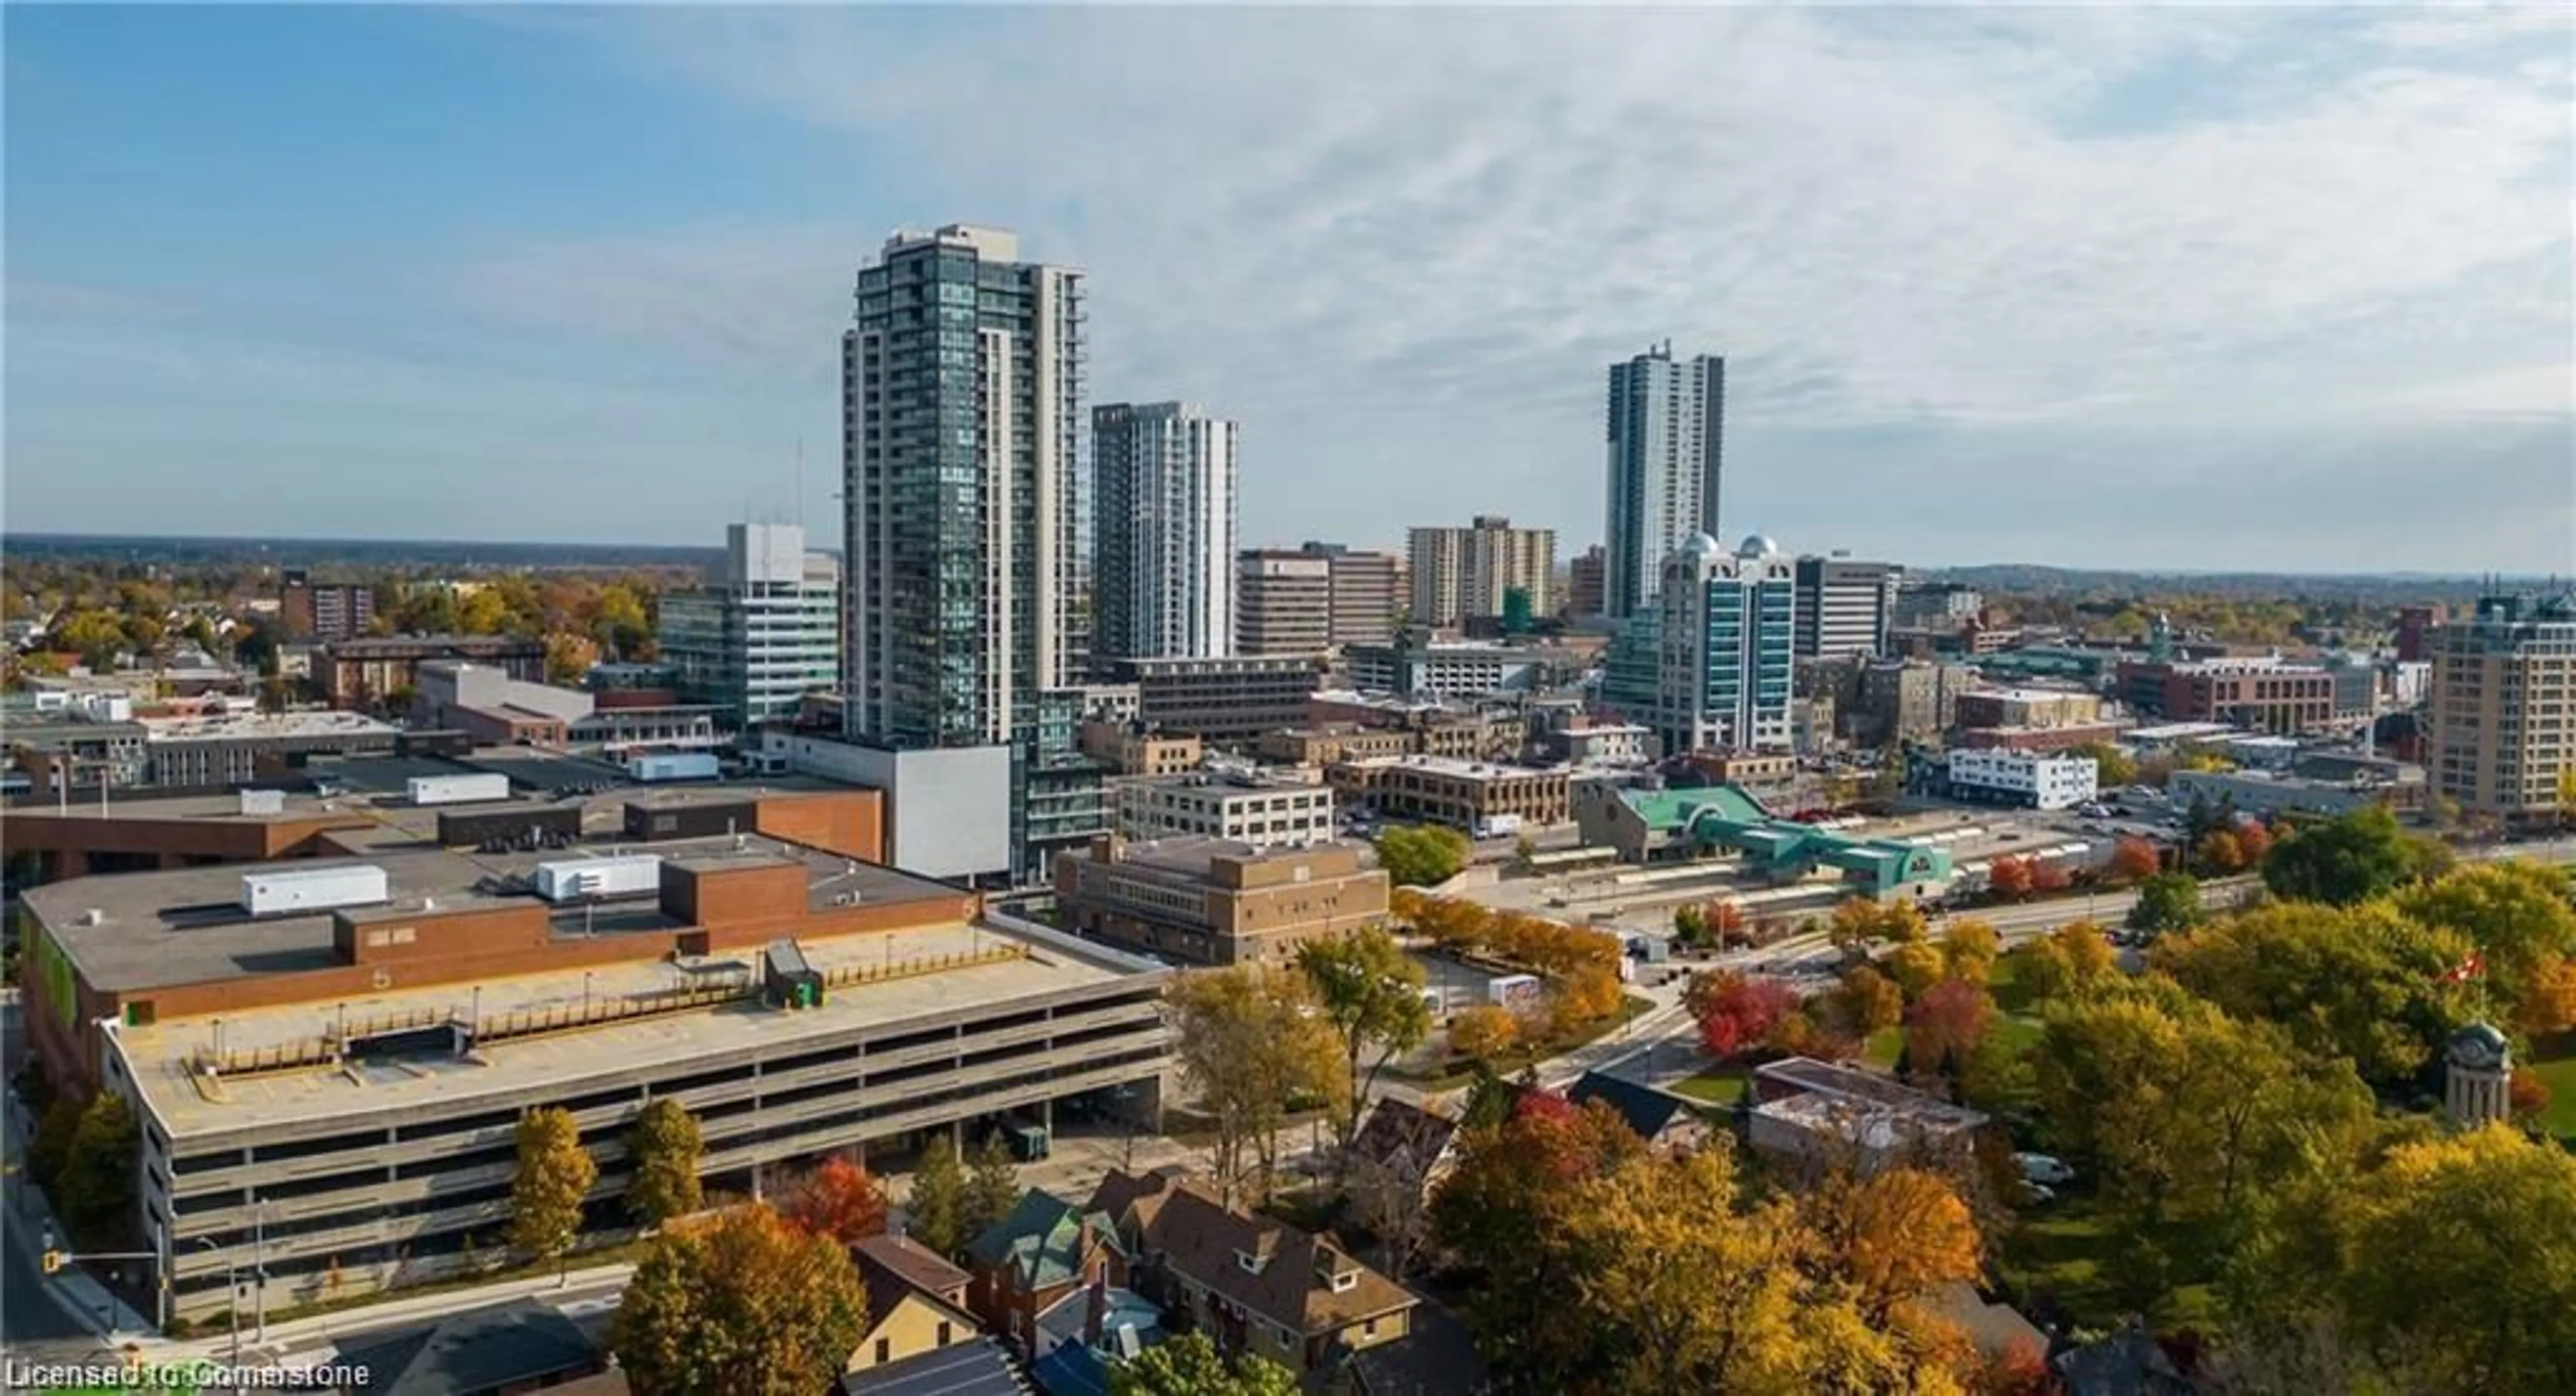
{"x": 1664, "y": 1120}
{"x": 1027, "y": 1262}
{"x": 1250, "y": 1283}
{"x": 1087, "y": 1332}
{"x": 1400, "y": 1152}
{"x": 916, "y": 1303}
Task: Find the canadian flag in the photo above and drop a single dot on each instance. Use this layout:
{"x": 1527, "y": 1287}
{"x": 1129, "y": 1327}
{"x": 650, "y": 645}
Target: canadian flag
{"x": 2473, "y": 967}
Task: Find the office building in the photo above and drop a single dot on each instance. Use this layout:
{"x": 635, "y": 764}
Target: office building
{"x": 1844, "y": 607}
{"x": 1463, "y": 573}
{"x": 1202, "y": 900}
{"x": 1922, "y": 604}
{"x": 1587, "y": 582}
{"x": 327, "y": 1069}
{"x": 763, "y": 632}
{"x": 2501, "y": 733}
{"x": 2027, "y": 707}
{"x": 1667, "y": 433}
{"x": 310, "y": 610}
{"x": 1719, "y": 647}
{"x": 2259, "y": 694}
{"x": 1283, "y": 602}
{"x": 1230, "y": 700}
{"x": 2029, "y": 779}
{"x": 1163, "y": 534}
{"x": 1237, "y": 805}
{"x": 1133, "y": 749}
{"x": 2413, "y": 622}
{"x": 1416, "y": 666}
{"x": 1368, "y": 589}
{"x": 1479, "y": 797}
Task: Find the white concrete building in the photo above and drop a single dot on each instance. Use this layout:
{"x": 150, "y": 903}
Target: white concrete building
{"x": 2037, "y": 781}
{"x": 1241, "y": 808}
{"x": 764, "y": 632}
{"x": 1163, "y": 535}
{"x": 1667, "y": 429}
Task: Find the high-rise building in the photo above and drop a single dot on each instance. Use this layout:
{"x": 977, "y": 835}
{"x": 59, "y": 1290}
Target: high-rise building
{"x": 1461, "y": 573}
{"x": 1667, "y": 428}
{"x": 1368, "y": 589}
{"x": 2502, "y": 732}
{"x": 1163, "y": 559}
{"x": 962, "y": 385}
{"x": 311, "y": 610}
{"x": 1719, "y": 646}
{"x": 763, "y": 632}
{"x": 1844, "y": 607}
{"x": 1283, "y": 602}
{"x": 1586, "y": 581}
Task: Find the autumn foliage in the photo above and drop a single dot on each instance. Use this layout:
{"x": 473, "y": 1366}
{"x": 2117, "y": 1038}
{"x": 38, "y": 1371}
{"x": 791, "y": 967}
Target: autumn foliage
{"x": 2133, "y": 859}
{"x": 2009, "y": 877}
{"x": 1737, "y": 1012}
{"x": 838, "y": 1199}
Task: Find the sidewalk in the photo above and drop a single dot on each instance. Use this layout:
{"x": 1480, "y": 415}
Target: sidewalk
{"x": 399, "y": 1312}
{"x": 30, "y": 1218}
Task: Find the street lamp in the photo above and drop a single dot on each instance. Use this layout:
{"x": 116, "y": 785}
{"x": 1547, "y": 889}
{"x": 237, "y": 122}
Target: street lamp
{"x": 232, "y": 1293}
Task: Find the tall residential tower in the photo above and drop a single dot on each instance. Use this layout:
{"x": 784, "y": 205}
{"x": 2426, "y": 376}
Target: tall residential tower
{"x": 1464, "y": 573}
{"x": 1667, "y": 427}
{"x": 1163, "y": 565}
{"x": 961, "y": 472}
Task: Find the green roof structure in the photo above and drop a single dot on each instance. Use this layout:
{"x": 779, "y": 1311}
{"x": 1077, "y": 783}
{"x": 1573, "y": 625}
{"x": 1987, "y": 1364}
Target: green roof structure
{"x": 1726, "y": 817}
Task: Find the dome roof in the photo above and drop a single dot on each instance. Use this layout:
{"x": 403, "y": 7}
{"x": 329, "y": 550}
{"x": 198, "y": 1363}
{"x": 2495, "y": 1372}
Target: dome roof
{"x": 1755, "y": 545}
{"x": 1700, "y": 545}
{"x": 2478, "y": 1045}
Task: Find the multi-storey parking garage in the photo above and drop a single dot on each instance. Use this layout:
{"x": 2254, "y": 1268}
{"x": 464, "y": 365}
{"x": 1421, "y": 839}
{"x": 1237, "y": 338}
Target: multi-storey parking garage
{"x": 329, "y": 1059}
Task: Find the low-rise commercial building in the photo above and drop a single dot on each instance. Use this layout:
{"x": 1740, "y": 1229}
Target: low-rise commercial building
{"x": 2028, "y": 779}
{"x": 2264, "y": 695}
{"x": 2266, "y": 794}
{"x": 1599, "y": 744}
{"x": 1826, "y": 1117}
{"x": 1204, "y": 900}
{"x": 1324, "y": 744}
{"x": 1241, "y": 807}
{"x": 222, "y": 748}
{"x": 374, "y": 669}
{"x": 1469, "y": 795}
{"x": 327, "y": 1093}
{"x": 2042, "y": 739}
{"x": 1895, "y": 700}
{"x": 491, "y": 707}
{"x": 1418, "y": 666}
{"x": 2027, "y": 707}
{"x": 1132, "y": 749}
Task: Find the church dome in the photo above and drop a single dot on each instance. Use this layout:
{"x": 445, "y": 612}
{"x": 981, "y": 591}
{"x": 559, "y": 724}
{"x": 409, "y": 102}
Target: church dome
{"x": 2478, "y": 1045}
{"x": 1700, "y": 545}
{"x": 1755, "y": 545}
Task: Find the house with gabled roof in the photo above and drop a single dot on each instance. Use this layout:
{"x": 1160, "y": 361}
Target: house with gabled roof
{"x": 1661, "y": 1118}
{"x": 1045, "y": 1249}
{"x": 1251, "y": 1284}
{"x": 916, "y": 1303}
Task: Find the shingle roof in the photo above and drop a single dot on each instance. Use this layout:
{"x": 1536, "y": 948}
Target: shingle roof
{"x": 1041, "y": 1239}
{"x": 1646, "y": 1110}
{"x": 1404, "y": 1139}
{"x": 479, "y": 1350}
{"x": 1196, "y": 1235}
{"x": 912, "y": 1263}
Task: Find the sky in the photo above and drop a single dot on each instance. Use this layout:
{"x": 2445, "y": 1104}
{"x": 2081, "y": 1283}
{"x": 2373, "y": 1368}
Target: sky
{"x": 2170, "y": 287}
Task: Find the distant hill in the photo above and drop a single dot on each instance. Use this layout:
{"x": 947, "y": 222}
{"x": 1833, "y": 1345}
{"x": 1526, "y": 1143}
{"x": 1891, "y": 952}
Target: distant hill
{"x": 2390, "y": 588}
{"x": 353, "y": 552}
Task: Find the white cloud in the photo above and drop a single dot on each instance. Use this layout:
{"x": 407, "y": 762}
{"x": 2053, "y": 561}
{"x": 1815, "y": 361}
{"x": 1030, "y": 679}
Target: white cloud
{"x": 1403, "y": 244}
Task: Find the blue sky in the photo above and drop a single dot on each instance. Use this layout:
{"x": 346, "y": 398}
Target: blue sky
{"x": 2177, "y": 287}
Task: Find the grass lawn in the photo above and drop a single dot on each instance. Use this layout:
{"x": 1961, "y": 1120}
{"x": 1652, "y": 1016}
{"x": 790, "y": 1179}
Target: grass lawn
{"x": 2065, "y": 1248}
{"x": 2555, "y": 1065}
{"x": 1720, "y": 1087}
{"x": 1883, "y": 1048}
{"x": 2011, "y": 995}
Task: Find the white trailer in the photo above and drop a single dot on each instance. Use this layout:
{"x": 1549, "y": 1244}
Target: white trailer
{"x": 313, "y": 889}
{"x": 1513, "y": 990}
{"x": 585, "y": 879}
{"x": 677, "y": 765}
{"x": 475, "y": 788}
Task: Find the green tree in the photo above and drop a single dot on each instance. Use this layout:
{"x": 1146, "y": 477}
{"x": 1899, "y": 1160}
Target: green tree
{"x": 2351, "y": 858}
{"x": 1371, "y": 994}
{"x": 96, "y": 1185}
{"x": 2362, "y": 982}
{"x": 98, "y": 637}
{"x": 2516, "y": 912}
{"x": 1190, "y": 1365}
{"x": 1252, "y": 1043}
{"x": 482, "y": 612}
{"x": 2167, "y": 902}
{"x": 619, "y": 621}
{"x": 664, "y": 1148}
{"x": 992, "y": 1187}
{"x": 2112, "y": 767}
{"x": 52, "y": 1146}
{"x": 1422, "y": 855}
{"x": 743, "y": 1303}
{"x": 936, "y": 1212}
{"x": 555, "y": 1174}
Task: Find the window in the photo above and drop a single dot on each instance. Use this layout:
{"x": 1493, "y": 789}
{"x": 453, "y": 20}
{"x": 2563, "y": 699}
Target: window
{"x": 945, "y": 1332}
{"x": 885, "y": 1349}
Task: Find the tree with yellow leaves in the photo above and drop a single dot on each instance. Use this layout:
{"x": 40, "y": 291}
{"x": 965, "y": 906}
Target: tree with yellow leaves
{"x": 1893, "y": 1237}
{"x": 1968, "y": 950}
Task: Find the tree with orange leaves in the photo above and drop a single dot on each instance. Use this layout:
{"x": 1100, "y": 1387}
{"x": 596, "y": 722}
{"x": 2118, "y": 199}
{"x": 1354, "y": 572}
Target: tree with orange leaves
{"x": 839, "y": 1199}
{"x": 2008, "y": 877}
{"x": 1894, "y": 1236}
{"x": 2220, "y": 851}
{"x": 742, "y": 1302}
{"x": 2133, "y": 859}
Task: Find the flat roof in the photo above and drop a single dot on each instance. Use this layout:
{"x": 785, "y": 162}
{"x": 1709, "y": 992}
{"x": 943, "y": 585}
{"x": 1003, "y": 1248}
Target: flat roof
{"x": 232, "y": 726}
{"x": 988, "y": 964}
{"x": 1191, "y": 855}
{"x": 187, "y": 926}
{"x": 1456, "y": 766}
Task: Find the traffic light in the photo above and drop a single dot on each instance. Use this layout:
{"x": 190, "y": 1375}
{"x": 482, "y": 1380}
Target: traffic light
{"x": 53, "y": 1261}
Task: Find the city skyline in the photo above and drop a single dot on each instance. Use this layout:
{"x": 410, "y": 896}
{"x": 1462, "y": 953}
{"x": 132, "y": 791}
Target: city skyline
{"x": 2101, "y": 288}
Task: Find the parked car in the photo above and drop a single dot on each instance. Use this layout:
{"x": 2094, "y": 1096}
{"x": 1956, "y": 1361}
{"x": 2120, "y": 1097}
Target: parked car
{"x": 2039, "y": 1194}
{"x": 2041, "y": 1169}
